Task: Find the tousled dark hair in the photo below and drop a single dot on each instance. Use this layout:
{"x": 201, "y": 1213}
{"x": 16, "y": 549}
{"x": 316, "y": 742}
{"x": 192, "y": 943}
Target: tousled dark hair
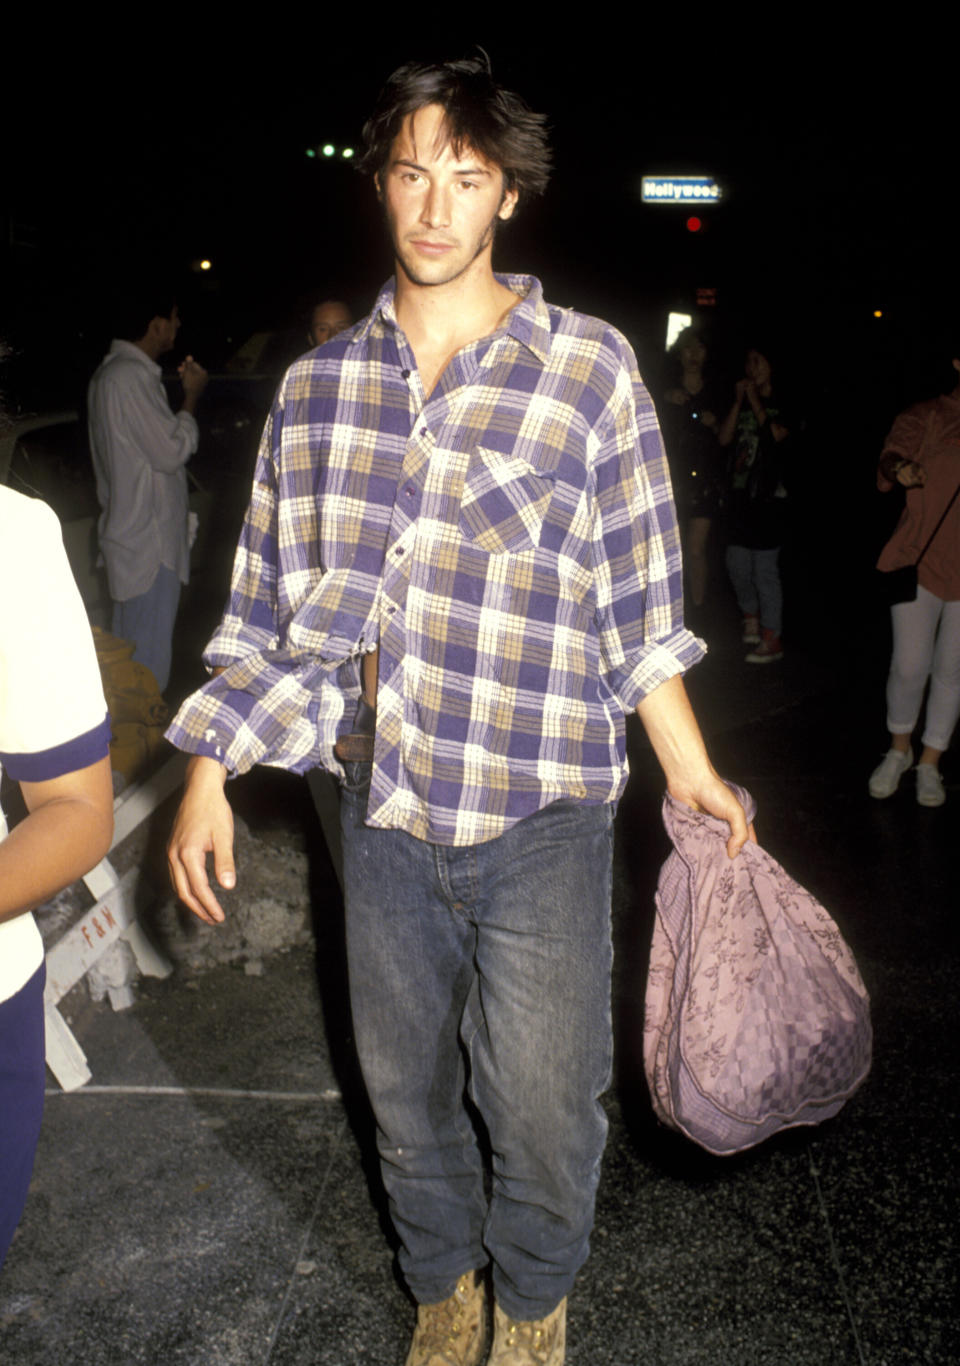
{"x": 134, "y": 313}
{"x": 478, "y": 113}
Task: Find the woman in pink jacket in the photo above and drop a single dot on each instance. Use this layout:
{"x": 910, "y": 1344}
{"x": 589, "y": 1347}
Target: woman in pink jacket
{"x": 922, "y": 454}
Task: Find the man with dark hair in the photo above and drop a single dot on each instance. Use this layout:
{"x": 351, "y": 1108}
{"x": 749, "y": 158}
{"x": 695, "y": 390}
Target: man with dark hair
{"x": 139, "y": 449}
{"x": 477, "y": 114}
{"x": 328, "y": 319}
{"x": 459, "y": 570}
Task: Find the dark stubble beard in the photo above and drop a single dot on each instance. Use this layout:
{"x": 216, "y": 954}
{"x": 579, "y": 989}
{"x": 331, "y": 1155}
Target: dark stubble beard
{"x": 486, "y": 239}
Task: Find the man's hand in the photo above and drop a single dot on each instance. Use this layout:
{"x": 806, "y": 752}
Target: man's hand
{"x": 194, "y": 379}
{"x": 897, "y": 469}
{"x": 203, "y": 825}
{"x": 910, "y": 474}
{"x": 672, "y": 727}
{"x": 715, "y": 798}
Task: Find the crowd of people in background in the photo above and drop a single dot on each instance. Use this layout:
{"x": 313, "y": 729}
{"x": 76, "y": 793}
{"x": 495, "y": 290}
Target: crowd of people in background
{"x": 730, "y": 452}
{"x": 736, "y": 451}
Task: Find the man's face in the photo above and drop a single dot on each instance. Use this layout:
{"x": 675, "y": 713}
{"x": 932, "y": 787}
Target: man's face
{"x": 442, "y": 209}
{"x": 327, "y": 320}
{"x": 166, "y": 330}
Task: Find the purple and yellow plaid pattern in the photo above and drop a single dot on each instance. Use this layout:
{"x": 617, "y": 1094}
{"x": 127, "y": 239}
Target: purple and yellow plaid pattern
{"x": 510, "y": 543}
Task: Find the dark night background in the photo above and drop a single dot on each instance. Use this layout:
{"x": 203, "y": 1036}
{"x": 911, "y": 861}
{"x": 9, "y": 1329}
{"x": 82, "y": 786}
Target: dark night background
{"x": 836, "y": 158}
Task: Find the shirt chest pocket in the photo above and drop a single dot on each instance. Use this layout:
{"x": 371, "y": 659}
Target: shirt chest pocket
{"x": 504, "y": 502}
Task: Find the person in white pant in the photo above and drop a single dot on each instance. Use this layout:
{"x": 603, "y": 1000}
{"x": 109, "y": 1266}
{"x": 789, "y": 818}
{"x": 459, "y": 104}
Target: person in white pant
{"x": 922, "y": 454}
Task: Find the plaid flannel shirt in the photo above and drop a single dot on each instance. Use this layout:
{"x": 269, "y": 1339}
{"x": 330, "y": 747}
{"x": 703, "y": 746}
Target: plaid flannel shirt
{"x": 510, "y": 543}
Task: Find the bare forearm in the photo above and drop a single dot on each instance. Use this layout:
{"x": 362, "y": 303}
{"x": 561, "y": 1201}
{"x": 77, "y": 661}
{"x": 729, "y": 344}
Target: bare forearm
{"x": 728, "y": 425}
{"x": 674, "y": 733}
{"x": 203, "y": 825}
{"x": 678, "y": 744}
{"x": 51, "y": 847}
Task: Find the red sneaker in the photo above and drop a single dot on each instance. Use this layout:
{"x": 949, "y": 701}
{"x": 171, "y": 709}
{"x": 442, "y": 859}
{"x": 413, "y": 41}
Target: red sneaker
{"x": 768, "y": 651}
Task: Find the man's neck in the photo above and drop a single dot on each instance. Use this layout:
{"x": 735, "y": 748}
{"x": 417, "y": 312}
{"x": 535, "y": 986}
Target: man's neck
{"x": 448, "y": 316}
{"x": 144, "y": 345}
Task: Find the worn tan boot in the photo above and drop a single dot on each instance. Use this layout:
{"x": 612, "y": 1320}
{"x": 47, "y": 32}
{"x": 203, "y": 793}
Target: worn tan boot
{"x": 454, "y": 1332}
{"x": 540, "y": 1342}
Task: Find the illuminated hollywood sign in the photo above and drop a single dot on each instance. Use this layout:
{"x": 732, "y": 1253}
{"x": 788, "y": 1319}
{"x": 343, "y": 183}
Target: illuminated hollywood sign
{"x": 679, "y": 189}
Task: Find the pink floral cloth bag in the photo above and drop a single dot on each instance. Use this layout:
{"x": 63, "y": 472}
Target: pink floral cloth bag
{"x": 756, "y": 1016}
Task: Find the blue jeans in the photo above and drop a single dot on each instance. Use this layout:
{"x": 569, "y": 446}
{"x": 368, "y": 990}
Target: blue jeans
{"x": 485, "y": 971}
{"x": 755, "y": 575}
{"x": 148, "y": 621}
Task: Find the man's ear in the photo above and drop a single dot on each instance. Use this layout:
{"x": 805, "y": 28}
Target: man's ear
{"x": 376, "y": 181}
{"x": 507, "y": 205}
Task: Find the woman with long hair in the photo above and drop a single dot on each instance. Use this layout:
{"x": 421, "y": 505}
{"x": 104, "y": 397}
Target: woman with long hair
{"x": 689, "y": 420}
{"x": 755, "y": 432}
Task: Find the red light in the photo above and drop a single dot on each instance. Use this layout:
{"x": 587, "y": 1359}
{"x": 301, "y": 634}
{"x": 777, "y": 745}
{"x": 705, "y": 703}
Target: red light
{"x": 694, "y": 225}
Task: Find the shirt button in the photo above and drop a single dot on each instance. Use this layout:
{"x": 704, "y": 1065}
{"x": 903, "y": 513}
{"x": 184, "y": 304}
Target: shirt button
{"x": 410, "y": 492}
{"x": 423, "y": 431}
{"x": 404, "y": 374}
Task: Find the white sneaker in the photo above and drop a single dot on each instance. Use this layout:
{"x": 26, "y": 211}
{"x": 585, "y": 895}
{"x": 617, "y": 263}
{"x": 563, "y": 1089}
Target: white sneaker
{"x": 930, "y": 790}
{"x": 885, "y": 778}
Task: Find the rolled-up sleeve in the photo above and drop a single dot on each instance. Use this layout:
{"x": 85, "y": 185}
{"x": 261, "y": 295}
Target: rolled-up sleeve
{"x": 637, "y": 559}
{"x": 266, "y": 704}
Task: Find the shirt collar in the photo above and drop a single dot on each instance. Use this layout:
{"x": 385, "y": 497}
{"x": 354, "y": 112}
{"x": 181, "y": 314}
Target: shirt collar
{"x": 528, "y": 322}
{"x": 129, "y": 350}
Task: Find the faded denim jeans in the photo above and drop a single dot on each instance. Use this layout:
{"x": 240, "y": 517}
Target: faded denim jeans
{"x": 485, "y": 972}
{"x": 755, "y": 575}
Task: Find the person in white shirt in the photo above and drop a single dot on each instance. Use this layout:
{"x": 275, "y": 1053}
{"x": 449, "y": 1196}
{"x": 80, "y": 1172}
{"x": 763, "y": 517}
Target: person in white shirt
{"x": 139, "y": 449}
{"x": 54, "y": 737}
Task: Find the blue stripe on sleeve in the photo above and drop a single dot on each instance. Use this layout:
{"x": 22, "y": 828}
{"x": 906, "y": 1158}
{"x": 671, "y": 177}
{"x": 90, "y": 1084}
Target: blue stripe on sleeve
{"x": 80, "y": 752}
